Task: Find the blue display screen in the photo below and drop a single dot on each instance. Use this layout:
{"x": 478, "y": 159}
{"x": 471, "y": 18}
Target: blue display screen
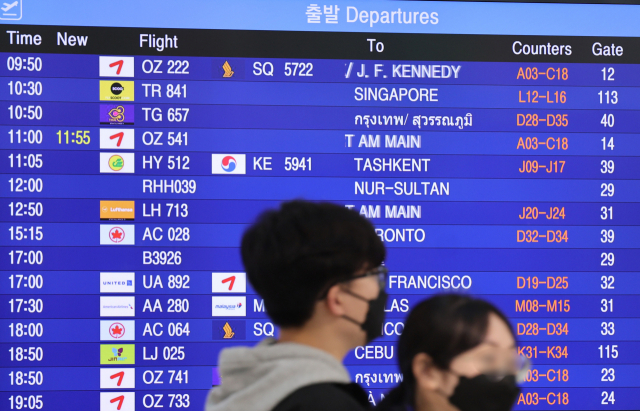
{"x": 497, "y": 158}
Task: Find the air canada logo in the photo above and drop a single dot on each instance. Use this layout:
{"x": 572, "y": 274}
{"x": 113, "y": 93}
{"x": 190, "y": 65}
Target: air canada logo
{"x": 229, "y": 164}
{"x": 121, "y": 234}
{"x": 117, "y": 234}
{"x": 120, "y": 330}
{"x": 116, "y": 330}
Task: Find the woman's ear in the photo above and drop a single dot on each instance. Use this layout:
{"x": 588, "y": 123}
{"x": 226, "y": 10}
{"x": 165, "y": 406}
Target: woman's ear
{"x": 427, "y": 375}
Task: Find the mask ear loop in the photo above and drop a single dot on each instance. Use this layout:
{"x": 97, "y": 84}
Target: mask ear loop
{"x": 359, "y": 297}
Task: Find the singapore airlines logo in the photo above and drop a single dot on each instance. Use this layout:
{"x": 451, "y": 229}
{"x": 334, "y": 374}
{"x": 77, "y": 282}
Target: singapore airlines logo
{"x": 227, "y": 70}
{"x": 228, "y": 331}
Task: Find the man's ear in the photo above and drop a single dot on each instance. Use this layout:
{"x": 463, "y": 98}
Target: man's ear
{"x": 335, "y": 301}
{"x": 427, "y": 375}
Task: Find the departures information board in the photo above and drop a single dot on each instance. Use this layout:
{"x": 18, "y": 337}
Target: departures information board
{"x": 132, "y": 159}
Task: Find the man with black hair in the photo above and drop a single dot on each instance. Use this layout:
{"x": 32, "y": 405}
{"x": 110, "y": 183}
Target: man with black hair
{"x": 318, "y": 268}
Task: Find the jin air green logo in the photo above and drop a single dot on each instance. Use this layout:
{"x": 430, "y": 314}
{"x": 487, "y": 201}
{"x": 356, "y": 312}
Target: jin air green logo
{"x": 116, "y": 354}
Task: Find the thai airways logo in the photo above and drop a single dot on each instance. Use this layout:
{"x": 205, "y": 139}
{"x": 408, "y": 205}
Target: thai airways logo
{"x": 117, "y": 163}
{"x": 117, "y": 282}
{"x": 117, "y": 139}
{"x": 121, "y": 330}
{"x": 228, "y": 282}
{"x": 229, "y": 306}
{"x": 228, "y": 163}
{"x": 117, "y": 306}
{"x": 120, "y": 114}
{"x": 117, "y": 90}
{"x": 123, "y": 234}
{"x": 117, "y": 354}
{"x": 116, "y": 66}
{"x": 117, "y": 378}
{"x": 118, "y": 401}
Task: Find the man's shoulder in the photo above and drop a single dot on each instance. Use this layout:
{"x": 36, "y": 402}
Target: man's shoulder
{"x": 325, "y": 396}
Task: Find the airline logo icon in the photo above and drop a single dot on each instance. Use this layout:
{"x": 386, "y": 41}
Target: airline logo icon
{"x": 116, "y": 114}
{"x": 117, "y": 378}
{"x": 116, "y": 66}
{"x": 117, "y": 330}
{"x": 116, "y": 90}
{"x": 229, "y": 306}
{"x": 118, "y": 401}
{"x": 117, "y": 210}
{"x": 117, "y": 306}
{"x": 228, "y": 282}
{"x": 117, "y": 163}
{"x": 117, "y": 282}
{"x": 117, "y": 139}
{"x": 117, "y": 354}
{"x": 228, "y": 164}
{"x": 232, "y": 69}
{"x": 226, "y": 67}
{"x": 229, "y": 330}
{"x": 123, "y": 234}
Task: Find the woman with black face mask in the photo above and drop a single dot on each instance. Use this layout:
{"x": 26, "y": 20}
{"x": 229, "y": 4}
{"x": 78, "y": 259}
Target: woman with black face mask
{"x": 457, "y": 353}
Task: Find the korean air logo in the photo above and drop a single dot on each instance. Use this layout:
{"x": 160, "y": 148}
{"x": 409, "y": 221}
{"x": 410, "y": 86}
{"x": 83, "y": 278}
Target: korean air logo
{"x": 228, "y": 164}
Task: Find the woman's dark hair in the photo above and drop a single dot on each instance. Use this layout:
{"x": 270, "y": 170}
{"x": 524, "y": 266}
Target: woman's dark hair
{"x": 442, "y": 327}
{"x": 293, "y": 254}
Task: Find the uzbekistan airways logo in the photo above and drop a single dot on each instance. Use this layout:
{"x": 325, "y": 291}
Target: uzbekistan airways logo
{"x": 116, "y": 162}
{"x": 229, "y": 164}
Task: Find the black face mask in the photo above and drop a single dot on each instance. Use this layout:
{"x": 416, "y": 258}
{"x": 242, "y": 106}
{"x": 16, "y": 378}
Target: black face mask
{"x": 481, "y": 393}
{"x": 372, "y": 324}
